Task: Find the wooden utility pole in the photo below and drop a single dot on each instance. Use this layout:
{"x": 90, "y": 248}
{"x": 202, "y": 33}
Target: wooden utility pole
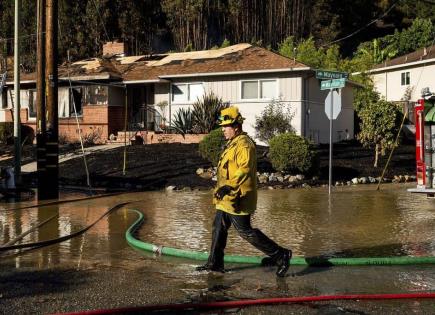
{"x": 17, "y": 120}
{"x": 52, "y": 149}
{"x": 41, "y": 120}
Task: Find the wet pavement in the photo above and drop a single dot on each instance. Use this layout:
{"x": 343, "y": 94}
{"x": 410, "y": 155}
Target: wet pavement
{"x": 99, "y": 270}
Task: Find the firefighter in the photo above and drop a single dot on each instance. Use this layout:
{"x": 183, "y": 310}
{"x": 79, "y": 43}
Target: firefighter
{"x": 235, "y": 198}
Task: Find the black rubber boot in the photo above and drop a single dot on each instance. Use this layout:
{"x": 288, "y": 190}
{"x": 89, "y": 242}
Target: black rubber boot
{"x": 268, "y": 262}
{"x": 284, "y": 263}
{"x": 207, "y": 267}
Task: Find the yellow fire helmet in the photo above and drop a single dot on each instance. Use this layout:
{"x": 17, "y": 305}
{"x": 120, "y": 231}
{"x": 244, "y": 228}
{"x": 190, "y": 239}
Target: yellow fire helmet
{"x": 230, "y": 116}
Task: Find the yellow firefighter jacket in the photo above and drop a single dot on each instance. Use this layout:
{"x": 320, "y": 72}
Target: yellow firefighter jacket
{"x": 237, "y": 168}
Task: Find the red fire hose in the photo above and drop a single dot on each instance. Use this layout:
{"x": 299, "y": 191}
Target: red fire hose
{"x": 244, "y": 303}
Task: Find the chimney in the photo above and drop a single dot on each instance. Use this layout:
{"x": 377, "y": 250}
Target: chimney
{"x": 114, "y": 48}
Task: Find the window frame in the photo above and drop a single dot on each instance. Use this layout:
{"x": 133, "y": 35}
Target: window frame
{"x": 259, "y": 90}
{"x": 32, "y": 94}
{"x": 187, "y": 99}
{"x": 405, "y": 78}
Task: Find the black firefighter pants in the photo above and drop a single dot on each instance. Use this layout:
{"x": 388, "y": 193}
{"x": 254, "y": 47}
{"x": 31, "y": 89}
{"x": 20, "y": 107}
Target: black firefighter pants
{"x": 242, "y": 223}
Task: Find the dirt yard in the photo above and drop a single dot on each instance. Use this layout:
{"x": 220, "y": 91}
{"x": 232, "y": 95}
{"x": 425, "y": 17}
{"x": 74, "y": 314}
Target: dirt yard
{"x": 150, "y": 167}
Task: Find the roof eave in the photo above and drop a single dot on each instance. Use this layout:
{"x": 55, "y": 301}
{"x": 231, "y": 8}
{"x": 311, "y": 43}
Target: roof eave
{"x": 209, "y": 74}
{"x": 145, "y": 81}
{"x": 403, "y": 65}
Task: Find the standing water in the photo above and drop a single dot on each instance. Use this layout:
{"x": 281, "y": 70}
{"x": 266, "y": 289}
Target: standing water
{"x": 99, "y": 270}
{"x": 355, "y": 222}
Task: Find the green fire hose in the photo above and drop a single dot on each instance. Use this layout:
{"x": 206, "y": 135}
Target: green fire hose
{"x": 301, "y": 261}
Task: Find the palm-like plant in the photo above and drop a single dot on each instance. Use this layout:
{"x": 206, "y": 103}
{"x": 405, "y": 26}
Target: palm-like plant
{"x": 182, "y": 122}
{"x": 206, "y": 111}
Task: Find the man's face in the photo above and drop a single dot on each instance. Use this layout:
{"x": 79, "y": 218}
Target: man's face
{"x": 229, "y": 132}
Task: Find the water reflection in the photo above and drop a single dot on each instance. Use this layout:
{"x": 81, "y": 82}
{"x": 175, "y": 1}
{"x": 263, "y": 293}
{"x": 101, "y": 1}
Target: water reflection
{"x": 354, "y": 222}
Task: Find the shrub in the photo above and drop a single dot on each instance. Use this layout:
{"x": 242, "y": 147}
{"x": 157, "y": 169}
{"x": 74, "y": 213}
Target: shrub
{"x": 182, "y": 122}
{"x": 6, "y": 132}
{"x": 289, "y": 152}
{"x": 211, "y": 146}
{"x": 206, "y": 111}
{"x": 92, "y": 137}
{"x": 274, "y": 120}
{"x": 27, "y": 134}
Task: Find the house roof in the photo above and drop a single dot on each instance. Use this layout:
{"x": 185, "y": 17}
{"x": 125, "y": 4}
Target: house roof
{"x": 421, "y": 55}
{"x": 240, "y": 58}
{"x": 233, "y": 59}
{"x": 89, "y": 69}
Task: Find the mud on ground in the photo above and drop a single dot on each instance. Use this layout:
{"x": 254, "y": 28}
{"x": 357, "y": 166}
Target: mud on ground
{"x": 150, "y": 167}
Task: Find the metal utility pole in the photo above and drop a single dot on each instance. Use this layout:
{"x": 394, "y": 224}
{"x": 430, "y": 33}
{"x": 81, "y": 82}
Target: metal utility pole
{"x": 52, "y": 149}
{"x": 17, "y": 119}
{"x": 41, "y": 120}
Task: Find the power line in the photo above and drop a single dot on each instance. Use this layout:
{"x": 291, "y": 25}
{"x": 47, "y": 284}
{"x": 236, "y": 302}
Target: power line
{"x": 21, "y": 37}
{"x": 102, "y": 22}
{"x": 365, "y": 26}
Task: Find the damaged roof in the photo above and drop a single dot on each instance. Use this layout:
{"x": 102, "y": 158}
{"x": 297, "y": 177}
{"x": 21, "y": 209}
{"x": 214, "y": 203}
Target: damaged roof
{"x": 232, "y": 59}
{"x": 88, "y": 69}
{"x": 237, "y": 58}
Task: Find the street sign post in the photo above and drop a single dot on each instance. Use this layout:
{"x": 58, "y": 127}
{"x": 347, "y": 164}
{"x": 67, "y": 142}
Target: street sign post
{"x": 333, "y": 101}
{"x": 332, "y": 84}
{"x": 332, "y": 80}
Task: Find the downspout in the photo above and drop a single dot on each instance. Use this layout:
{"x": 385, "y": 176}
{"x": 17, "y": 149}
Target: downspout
{"x": 305, "y": 107}
{"x": 386, "y": 85}
{"x": 170, "y": 103}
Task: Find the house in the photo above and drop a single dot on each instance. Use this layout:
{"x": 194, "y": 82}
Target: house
{"x": 403, "y": 78}
{"x": 152, "y": 88}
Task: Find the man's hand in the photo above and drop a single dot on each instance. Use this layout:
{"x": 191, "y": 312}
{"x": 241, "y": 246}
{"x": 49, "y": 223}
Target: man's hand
{"x": 222, "y": 191}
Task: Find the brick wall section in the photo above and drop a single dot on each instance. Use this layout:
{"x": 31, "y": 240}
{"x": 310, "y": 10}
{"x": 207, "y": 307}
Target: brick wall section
{"x": 9, "y": 115}
{"x": 68, "y": 131}
{"x": 94, "y": 124}
{"x": 23, "y": 115}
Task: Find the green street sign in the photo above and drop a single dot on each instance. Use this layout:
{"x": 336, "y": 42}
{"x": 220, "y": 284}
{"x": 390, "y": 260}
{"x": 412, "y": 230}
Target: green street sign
{"x": 332, "y": 84}
{"x": 330, "y": 75}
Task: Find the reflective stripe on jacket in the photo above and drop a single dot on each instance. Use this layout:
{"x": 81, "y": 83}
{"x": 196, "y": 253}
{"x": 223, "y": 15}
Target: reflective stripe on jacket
{"x": 237, "y": 168}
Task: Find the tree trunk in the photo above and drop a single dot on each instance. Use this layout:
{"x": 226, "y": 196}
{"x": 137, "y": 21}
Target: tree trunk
{"x": 377, "y": 151}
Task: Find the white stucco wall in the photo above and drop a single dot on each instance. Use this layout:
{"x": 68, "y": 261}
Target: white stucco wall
{"x": 228, "y": 88}
{"x": 388, "y": 81}
{"x": 305, "y": 100}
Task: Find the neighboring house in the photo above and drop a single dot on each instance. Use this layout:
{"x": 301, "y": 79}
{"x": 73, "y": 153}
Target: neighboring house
{"x": 403, "y": 78}
{"x": 155, "y": 87}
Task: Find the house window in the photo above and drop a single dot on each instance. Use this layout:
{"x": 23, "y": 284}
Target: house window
{"x": 405, "y": 78}
{"x": 187, "y": 92}
{"x": 259, "y": 89}
{"x": 96, "y": 95}
{"x": 76, "y": 99}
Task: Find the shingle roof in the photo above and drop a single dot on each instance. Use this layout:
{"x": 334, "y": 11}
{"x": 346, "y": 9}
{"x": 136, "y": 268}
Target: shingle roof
{"x": 236, "y": 58}
{"x": 250, "y": 58}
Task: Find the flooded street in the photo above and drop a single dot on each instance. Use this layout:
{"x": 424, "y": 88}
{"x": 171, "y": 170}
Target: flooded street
{"x": 355, "y": 222}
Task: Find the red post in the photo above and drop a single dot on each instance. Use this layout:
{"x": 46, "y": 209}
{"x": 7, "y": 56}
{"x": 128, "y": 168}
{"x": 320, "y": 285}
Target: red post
{"x": 419, "y": 144}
